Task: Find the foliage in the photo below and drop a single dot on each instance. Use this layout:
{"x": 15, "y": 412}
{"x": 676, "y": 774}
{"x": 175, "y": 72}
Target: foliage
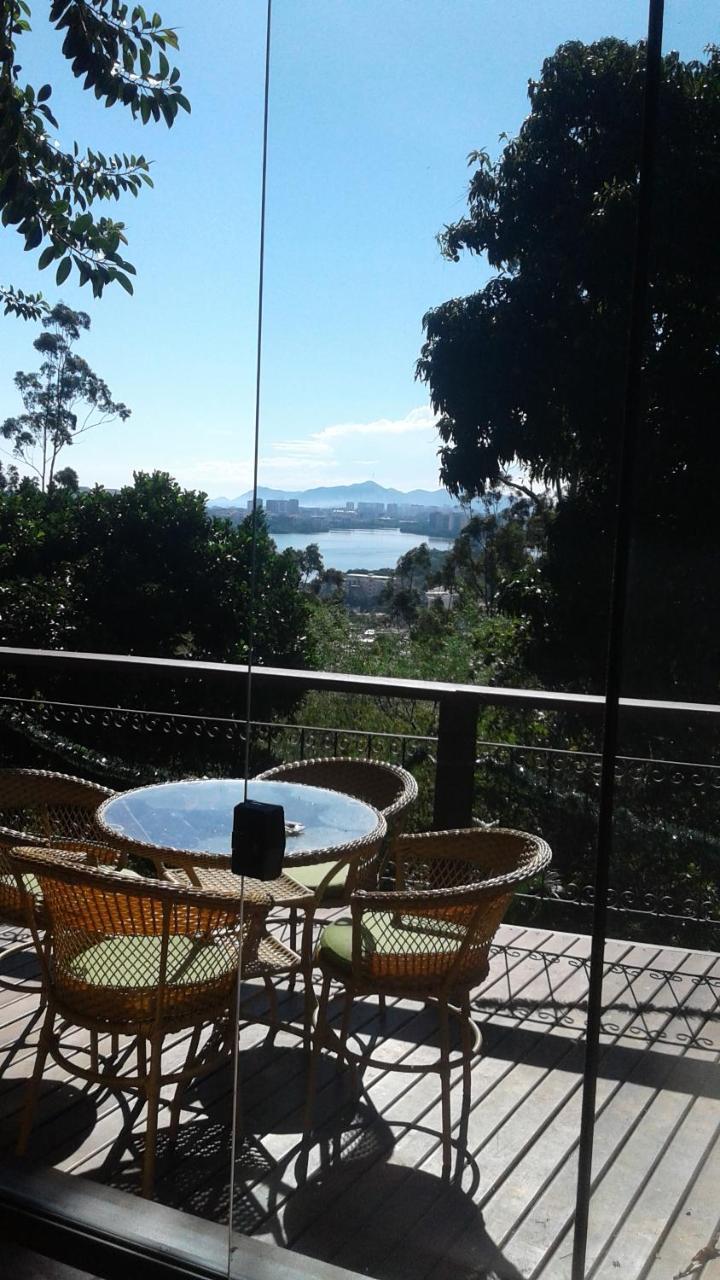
{"x": 491, "y": 552}
{"x": 143, "y": 570}
{"x": 402, "y": 597}
{"x": 48, "y": 193}
{"x": 52, "y": 397}
{"x": 330, "y": 585}
{"x": 463, "y": 646}
{"x": 529, "y": 370}
{"x": 308, "y": 559}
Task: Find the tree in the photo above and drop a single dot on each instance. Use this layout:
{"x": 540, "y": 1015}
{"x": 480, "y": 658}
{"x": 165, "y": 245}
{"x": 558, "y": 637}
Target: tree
{"x": 47, "y": 193}
{"x": 309, "y": 561}
{"x": 413, "y": 568}
{"x": 489, "y": 551}
{"x": 529, "y": 371}
{"x": 329, "y": 585}
{"x": 53, "y": 397}
{"x": 403, "y": 596}
{"x": 146, "y": 571}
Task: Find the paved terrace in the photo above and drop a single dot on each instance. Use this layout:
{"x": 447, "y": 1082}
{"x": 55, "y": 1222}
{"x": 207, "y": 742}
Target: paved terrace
{"x": 373, "y": 1200}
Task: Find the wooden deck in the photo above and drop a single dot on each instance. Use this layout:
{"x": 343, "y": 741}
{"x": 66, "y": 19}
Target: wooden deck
{"x": 373, "y": 1201}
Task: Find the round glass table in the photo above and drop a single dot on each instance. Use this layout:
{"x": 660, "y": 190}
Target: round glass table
{"x": 196, "y": 816}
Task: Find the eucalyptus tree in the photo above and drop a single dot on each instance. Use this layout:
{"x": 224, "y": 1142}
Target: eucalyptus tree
{"x": 48, "y": 192}
{"x": 62, "y": 400}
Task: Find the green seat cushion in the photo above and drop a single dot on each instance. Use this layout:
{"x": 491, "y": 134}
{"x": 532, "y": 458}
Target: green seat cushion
{"x": 29, "y": 881}
{"x": 134, "y": 962}
{"x": 312, "y": 876}
{"x": 385, "y": 934}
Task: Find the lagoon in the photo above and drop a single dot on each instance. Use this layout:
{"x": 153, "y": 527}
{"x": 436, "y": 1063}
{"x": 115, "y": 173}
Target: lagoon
{"x": 370, "y": 549}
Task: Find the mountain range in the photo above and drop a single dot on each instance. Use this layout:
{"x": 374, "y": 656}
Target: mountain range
{"x": 338, "y": 495}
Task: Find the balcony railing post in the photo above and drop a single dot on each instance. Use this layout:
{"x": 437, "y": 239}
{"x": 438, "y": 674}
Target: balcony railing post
{"x": 456, "y": 755}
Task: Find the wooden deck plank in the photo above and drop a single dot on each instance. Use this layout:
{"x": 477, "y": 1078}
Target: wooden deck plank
{"x": 518, "y": 1189}
{"x": 373, "y": 1199}
{"x": 275, "y": 1110}
{"x": 386, "y": 1085}
{"x": 634, "y": 1080}
{"x": 671, "y": 1171}
{"x": 403, "y": 1101}
{"x": 694, "y": 1225}
{"x": 421, "y": 1141}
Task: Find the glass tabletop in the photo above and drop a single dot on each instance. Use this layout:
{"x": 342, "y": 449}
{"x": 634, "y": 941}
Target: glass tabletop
{"x": 196, "y": 816}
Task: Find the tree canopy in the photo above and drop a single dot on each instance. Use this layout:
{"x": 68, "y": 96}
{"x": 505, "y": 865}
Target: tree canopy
{"x": 144, "y": 570}
{"x": 48, "y": 192}
{"x": 529, "y": 370}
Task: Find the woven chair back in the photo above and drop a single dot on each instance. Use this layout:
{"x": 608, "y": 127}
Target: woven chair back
{"x": 130, "y": 950}
{"x": 435, "y": 929}
{"x": 387, "y": 787}
{"x": 37, "y": 807}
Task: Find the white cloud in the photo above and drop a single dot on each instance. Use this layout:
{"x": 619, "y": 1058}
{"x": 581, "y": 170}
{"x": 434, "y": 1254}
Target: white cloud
{"x": 418, "y": 420}
{"x": 399, "y": 452}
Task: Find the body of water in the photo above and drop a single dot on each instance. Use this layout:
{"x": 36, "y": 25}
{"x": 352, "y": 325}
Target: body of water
{"x": 347, "y": 549}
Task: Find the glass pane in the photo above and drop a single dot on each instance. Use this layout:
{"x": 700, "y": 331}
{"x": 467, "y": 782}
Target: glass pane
{"x": 99, "y": 560}
{"x": 373, "y": 112}
{"x": 655, "y": 1158}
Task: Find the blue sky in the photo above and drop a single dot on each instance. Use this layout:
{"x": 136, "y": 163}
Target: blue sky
{"x": 375, "y": 105}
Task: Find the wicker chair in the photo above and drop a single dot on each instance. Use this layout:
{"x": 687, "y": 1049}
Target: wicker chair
{"x": 37, "y": 807}
{"x": 427, "y": 939}
{"x": 358, "y": 866}
{"x": 135, "y": 957}
{"x": 387, "y": 787}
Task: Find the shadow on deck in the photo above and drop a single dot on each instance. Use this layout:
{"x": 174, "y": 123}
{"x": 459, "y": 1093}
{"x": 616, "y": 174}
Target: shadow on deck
{"x": 372, "y": 1199}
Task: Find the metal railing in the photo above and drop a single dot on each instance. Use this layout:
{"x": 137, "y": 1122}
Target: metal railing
{"x": 667, "y": 810}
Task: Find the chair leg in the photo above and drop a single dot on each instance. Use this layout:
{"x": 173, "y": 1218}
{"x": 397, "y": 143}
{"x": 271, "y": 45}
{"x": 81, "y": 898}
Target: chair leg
{"x": 175, "y": 1105}
{"x": 272, "y": 1005}
{"x": 94, "y": 1053}
{"x": 308, "y": 1008}
{"x": 292, "y": 942}
{"x": 43, "y": 1049}
{"x": 467, "y": 1049}
{"x": 306, "y": 964}
{"x": 47, "y": 948}
{"x": 318, "y": 1043}
{"x": 445, "y": 1084}
{"x": 345, "y": 1024}
{"x": 356, "y": 1069}
{"x": 152, "y": 1093}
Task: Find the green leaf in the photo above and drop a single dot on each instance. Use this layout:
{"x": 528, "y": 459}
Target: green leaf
{"x": 183, "y": 102}
{"x": 34, "y": 236}
{"x": 126, "y": 284}
{"x": 63, "y": 271}
{"x": 44, "y": 93}
{"x": 46, "y": 257}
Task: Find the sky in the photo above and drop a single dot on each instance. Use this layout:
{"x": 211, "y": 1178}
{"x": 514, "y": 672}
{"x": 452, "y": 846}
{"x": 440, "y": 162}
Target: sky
{"x": 375, "y": 105}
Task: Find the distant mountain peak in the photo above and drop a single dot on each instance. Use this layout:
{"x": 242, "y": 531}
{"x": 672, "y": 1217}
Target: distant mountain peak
{"x": 339, "y": 494}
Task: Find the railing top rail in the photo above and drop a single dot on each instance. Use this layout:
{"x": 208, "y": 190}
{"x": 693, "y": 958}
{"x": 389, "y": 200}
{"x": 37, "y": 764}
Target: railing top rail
{"x": 337, "y": 682}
